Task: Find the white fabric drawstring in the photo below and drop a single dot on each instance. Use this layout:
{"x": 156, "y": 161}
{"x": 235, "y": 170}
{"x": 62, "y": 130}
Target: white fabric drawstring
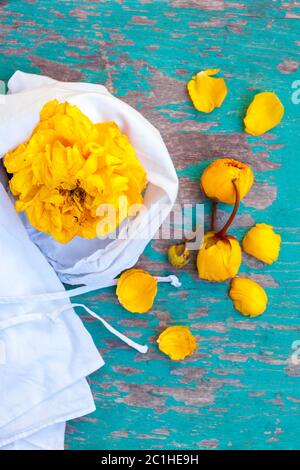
{"x": 45, "y": 297}
{"x": 173, "y": 280}
{"x": 130, "y": 342}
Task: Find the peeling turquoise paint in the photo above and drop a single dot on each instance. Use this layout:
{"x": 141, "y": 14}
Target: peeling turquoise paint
{"x": 240, "y": 390}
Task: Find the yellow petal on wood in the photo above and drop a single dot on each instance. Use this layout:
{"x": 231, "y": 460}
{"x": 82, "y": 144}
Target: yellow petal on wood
{"x": 206, "y": 91}
{"x": 177, "y": 342}
{"x": 248, "y": 297}
{"x": 136, "y": 290}
{"x": 264, "y": 113}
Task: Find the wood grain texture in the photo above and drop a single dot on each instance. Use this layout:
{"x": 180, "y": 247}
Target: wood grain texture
{"x": 240, "y": 391}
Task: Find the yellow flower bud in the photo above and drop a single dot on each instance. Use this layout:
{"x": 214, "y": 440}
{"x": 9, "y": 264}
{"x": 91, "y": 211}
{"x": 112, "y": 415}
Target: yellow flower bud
{"x": 136, "y": 290}
{"x": 216, "y": 180}
{"x": 206, "y": 91}
{"x": 249, "y": 298}
{"x": 263, "y": 243}
{"x": 264, "y": 113}
{"x": 218, "y": 258}
{"x": 177, "y": 342}
{"x": 178, "y": 255}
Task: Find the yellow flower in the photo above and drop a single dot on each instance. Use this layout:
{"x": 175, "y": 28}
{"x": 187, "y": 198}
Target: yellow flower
{"x": 178, "y": 255}
{"x": 218, "y": 258}
{"x": 207, "y": 92}
{"x": 177, "y": 342}
{"x": 263, "y": 243}
{"x": 136, "y": 290}
{"x": 249, "y": 298}
{"x": 69, "y": 168}
{"x": 264, "y": 113}
{"x": 216, "y": 180}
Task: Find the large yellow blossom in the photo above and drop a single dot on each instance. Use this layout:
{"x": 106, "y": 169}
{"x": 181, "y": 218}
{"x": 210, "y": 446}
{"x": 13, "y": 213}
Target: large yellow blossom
{"x": 69, "y": 168}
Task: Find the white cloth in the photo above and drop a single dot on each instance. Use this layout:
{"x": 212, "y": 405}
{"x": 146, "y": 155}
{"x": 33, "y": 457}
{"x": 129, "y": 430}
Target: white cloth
{"x": 44, "y": 361}
{"x": 45, "y": 351}
{"x": 89, "y": 261}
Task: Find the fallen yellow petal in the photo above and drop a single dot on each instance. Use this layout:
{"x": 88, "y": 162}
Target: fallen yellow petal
{"x": 206, "y": 91}
{"x": 177, "y": 342}
{"x": 136, "y": 290}
{"x": 249, "y": 298}
{"x": 263, "y": 243}
{"x": 264, "y": 113}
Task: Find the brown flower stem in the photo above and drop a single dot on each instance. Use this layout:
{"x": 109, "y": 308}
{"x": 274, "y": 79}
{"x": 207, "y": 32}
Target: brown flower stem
{"x": 223, "y": 230}
{"x": 213, "y": 216}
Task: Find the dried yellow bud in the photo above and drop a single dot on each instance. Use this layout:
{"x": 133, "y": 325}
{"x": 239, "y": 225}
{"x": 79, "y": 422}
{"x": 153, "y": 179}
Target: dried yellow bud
{"x": 217, "y": 178}
{"x": 218, "y": 258}
{"x": 178, "y": 255}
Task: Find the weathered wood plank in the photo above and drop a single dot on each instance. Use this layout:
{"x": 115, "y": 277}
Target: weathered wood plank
{"x": 240, "y": 390}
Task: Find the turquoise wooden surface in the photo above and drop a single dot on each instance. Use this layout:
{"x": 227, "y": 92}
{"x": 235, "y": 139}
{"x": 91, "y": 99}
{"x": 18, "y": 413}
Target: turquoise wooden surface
{"x": 241, "y": 389}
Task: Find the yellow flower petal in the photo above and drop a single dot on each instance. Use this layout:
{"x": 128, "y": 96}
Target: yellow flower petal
{"x": 218, "y": 259}
{"x": 206, "y": 91}
{"x": 216, "y": 180}
{"x": 249, "y": 298}
{"x": 49, "y": 110}
{"x": 263, "y": 243}
{"x": 264, "y": 113}
{"x": 68, "y": 168}
{"x": 177, "y": 342}
{"x": 136, "y": 290}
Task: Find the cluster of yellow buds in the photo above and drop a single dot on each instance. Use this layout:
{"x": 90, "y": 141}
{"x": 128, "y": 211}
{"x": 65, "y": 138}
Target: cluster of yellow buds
{"x": 228, "y": 181}
{"x": 220, "y": 255}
